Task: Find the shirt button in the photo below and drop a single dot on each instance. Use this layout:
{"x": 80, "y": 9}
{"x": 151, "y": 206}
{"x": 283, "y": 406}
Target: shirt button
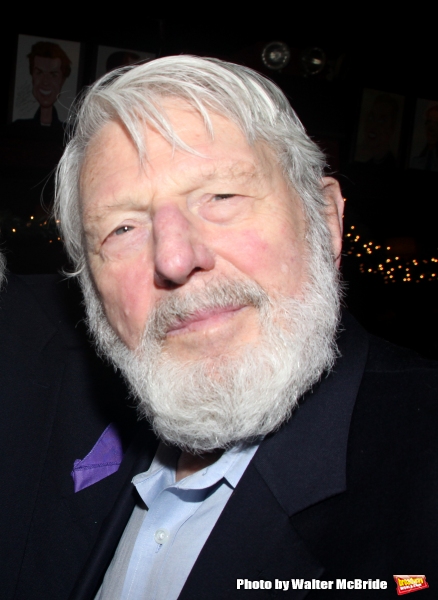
{"x": 161, "y": 536}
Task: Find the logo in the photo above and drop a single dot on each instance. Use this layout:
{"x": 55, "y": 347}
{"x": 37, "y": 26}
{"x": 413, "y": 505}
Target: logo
{"x": 410, "y": 583}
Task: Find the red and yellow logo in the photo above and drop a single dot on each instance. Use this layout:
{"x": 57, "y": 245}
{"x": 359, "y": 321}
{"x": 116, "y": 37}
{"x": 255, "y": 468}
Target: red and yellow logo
{"x": 410, "y": 583}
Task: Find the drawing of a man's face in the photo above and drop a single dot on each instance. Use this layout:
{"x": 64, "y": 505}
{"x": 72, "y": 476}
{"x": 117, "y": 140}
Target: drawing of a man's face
{"x": 47, "y": 80}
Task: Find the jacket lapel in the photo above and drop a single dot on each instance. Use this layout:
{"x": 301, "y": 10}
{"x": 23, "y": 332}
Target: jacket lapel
{"x": 299, "y": 466}
{"x": 253, "y": 540}
{"x": 137, "y": 459}
{"x": 305, "y": 462}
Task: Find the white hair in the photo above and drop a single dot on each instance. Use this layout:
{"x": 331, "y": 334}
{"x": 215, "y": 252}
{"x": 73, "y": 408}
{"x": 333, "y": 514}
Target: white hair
{"x": 134, "y": 96}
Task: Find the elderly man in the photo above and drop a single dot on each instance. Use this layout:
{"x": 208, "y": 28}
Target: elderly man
{"x": 207, "y": 243}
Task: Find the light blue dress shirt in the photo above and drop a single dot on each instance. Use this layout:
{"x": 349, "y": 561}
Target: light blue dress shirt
{"x": 170, "y": 525}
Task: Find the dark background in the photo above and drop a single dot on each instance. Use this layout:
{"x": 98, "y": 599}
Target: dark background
{"x": 392, "y": 208}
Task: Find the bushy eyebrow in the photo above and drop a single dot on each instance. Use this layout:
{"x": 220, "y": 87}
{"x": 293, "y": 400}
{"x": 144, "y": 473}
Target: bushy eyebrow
{"x": 240, "y": 172}
{"x": 124, "y": 204}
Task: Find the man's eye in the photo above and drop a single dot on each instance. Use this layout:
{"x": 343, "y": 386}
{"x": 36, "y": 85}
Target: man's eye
{"x": 122, "y": 230}
{"x": 222, "y": 196}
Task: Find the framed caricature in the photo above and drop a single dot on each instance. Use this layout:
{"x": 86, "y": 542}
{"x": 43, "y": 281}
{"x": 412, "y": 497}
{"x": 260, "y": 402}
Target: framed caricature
{"x": 378, "y": 134}
{"x": 110, "y": 58}
{"x": 46, "y": 80}
{"x": 424, "y": 139}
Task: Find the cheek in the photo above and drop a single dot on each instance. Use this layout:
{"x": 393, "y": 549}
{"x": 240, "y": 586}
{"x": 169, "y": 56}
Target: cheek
{"x": 126, "y": 292}
{"x": 251, "y": 251}
{"x": 275, "y": 261}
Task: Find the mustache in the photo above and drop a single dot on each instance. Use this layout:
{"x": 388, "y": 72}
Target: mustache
{"x": 222, "y": 294}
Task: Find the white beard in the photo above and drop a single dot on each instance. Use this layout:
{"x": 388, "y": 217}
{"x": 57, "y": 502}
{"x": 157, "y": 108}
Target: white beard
{"x": 216, "y": 402}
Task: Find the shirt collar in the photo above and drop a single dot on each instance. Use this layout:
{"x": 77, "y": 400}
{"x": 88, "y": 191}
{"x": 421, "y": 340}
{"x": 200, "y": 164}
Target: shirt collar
{"x": 161, "y": 474}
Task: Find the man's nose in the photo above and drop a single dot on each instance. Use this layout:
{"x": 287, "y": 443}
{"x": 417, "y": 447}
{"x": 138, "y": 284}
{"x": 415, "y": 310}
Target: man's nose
{"x": 178, "y": 251}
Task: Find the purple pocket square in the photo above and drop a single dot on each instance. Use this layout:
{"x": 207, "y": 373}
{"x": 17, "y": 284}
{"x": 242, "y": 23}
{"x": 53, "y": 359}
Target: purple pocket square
{"x": 103, "y": 459}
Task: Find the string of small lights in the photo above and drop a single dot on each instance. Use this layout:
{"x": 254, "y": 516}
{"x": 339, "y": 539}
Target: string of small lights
{"x": 36, "y": 230}
{"x": 374, "y": 259}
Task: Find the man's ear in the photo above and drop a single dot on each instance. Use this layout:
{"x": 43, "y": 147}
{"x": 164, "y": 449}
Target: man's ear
{"x": 334, "y": 211}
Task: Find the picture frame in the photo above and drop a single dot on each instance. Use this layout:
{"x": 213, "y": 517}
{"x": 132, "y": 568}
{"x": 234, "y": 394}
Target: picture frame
{"x": 379, "y": 129}
{"x": 46, "y": 80}
{"x": 423, "y": 153}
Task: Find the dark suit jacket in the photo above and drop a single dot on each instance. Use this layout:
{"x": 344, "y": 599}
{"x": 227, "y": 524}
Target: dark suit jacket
{"x": 346, "y": 489}
{"x": 56, "y": 399}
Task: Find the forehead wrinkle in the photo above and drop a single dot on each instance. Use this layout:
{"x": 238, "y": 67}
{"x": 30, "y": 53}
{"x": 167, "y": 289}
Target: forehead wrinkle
{"x": 234, "y": 171}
